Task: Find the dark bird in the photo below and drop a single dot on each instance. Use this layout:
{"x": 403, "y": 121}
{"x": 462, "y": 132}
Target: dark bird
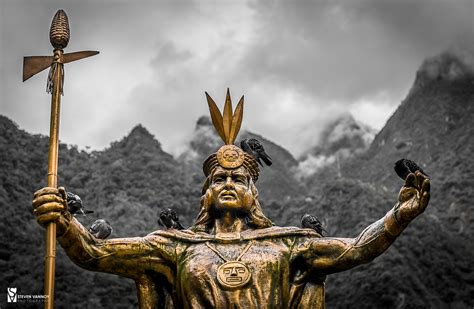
{"x": 312, "y": 222}
{"x": 404, "y": 167}
{"x": 169, "y": 219}
{"x": 254, "y": 148}
{"x": 74, "y": 204}
{"x": 101, "y": 229}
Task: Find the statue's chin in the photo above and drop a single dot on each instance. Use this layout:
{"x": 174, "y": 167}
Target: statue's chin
{"x": 231, "y": 206}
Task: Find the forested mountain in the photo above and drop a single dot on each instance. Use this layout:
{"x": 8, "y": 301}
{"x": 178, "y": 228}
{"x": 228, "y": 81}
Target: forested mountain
{"x": 429, "y": 266}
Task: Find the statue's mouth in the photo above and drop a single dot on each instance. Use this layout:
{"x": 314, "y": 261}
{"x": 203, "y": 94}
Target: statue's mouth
{"x": 227, "y": 195}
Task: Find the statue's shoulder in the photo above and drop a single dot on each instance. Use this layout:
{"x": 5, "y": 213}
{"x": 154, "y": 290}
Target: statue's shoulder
{"x": 182, "y": 235}
{"x": 278, "y": 232}
{"x": 189, "y": 236}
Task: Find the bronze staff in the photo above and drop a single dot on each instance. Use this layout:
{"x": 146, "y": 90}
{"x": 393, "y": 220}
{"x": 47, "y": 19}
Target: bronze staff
{"x": 59, "y": 38}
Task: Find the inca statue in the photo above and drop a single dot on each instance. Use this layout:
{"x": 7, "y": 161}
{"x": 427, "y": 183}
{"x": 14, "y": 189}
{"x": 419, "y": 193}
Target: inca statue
{"x": 233, "y": 256}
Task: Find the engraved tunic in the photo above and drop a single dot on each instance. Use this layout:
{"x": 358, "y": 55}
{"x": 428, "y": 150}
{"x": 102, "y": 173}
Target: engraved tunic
{"x": 178, "y": 269}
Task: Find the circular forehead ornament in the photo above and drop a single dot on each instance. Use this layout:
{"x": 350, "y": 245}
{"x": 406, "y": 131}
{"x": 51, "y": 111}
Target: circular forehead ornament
{"x": 230, "y": 156}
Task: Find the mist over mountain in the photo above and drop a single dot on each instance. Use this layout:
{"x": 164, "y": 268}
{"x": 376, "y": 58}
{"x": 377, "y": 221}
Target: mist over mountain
{"x": 429, "y": 266}
{"x": 343, "y": 138}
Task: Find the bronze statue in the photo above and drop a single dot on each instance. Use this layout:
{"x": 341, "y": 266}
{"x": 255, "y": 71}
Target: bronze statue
{"x": 233, "y": 256}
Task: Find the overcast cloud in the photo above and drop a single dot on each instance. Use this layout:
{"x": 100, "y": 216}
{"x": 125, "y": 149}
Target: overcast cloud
{"x": 299, "y": 64}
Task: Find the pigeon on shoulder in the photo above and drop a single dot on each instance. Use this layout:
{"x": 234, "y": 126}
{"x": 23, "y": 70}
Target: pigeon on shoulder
{"x": 101, "y": 229}
{"x": 169, "y": 219}
{"x": 312, "y": 222}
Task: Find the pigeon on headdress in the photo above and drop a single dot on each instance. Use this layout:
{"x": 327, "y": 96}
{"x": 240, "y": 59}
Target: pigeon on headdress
{"x": 312, "y": 222}
{"x": 101, "y": 229}
{"x": 169, "y": 219}
{"x": 74, "y": 204}
{"x": 404, "y": 167}
{"x": 254, "y": 148}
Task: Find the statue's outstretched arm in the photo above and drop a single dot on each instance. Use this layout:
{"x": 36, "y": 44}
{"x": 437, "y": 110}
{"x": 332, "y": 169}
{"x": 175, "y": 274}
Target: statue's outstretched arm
{"x": 128, "y": 257}
{"x": 329, "y": 255}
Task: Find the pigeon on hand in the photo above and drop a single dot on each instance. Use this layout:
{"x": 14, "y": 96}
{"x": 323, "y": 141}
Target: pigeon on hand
{"x": 312, "y": 222}
{"x": 254, "y": 148}
{"x": 101, "y": 229}
{"x": 169, "y": 219}
{"x": 404, "y": 167}
{"x": 74, "y": 204}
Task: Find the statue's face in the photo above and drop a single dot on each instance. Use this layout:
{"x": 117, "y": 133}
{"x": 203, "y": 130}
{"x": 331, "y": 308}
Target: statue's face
{"x": 228, "y": 187}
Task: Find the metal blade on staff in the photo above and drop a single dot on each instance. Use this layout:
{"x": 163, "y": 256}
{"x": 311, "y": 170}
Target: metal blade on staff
{"x": 59, "y": 38}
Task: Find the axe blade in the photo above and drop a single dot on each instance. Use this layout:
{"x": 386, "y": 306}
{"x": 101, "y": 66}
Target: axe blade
{"x": 34, "y": 64}
{"x": 70, "y": 57}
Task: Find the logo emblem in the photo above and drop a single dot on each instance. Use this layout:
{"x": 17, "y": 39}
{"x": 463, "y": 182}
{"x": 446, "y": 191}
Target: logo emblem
{"x": 11, "y": 295}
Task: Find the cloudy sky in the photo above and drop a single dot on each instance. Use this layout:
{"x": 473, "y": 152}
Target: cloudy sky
{"x": 299, "y": 64}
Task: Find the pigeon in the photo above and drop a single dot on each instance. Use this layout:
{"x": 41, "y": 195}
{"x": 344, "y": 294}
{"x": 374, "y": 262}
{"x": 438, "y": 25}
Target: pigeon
{"x": 253, "y": 147}
{"x": 169, "y": 219}
{"x": 74, "y": 204}
{"x": 101, "y": 229}
{"x": 312, "y": 222}
{"x": 404, "y": 167}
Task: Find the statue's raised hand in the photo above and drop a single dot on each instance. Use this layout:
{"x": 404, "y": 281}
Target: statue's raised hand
{"x": 413, "y": 198}
{"x": 50, "y": 205}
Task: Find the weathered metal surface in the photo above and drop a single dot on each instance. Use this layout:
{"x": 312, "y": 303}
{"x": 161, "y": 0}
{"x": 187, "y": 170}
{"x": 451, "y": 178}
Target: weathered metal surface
{"x": 233, "y": 256}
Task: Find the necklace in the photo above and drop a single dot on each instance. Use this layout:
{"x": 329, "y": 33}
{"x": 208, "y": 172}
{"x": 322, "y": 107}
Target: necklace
{"x": 232, "y": 274}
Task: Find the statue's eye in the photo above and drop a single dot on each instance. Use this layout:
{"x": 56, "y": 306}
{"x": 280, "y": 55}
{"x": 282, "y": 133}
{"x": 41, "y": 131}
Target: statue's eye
{"x": 240, "y": 181}
{"x": 219, "y": 179}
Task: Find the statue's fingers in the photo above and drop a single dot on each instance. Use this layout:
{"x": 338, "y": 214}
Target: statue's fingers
{"x": 48, "y": 207}
{"x": 410, "y": 181}
{"x": 46, "y": 199}
{"x": 425, "y": 198}
{"x": 425, "y": 193}
{"x": 420, "y": 178}
{"x": 48, "y": 218}
{"x": 62, "y": 192}
{"x": 45, "y": 191}
{"x": 426, "y": 185}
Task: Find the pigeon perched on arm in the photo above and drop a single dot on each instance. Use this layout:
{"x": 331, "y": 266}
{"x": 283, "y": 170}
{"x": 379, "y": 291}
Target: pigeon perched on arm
{"x": 74, "y": 204}
{"x": 254, "y": 148}
{"x": 169, "y": 219}
{"x": 312, "y": 222}
{"x": 101, "y": 229}
{"x": 404, "y": 167}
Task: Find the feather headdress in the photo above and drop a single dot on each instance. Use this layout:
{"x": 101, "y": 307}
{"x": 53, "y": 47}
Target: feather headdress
{"x": 227, "y": 125}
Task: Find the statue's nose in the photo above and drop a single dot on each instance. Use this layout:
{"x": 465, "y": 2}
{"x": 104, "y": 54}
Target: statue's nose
{"x": 229, "y": 183}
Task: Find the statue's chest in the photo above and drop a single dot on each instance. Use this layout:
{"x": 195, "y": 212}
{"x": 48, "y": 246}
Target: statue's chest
{"x": 233, "y": 266}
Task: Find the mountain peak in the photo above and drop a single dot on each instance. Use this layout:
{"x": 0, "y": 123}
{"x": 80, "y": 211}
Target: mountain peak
{"x": 138, "y": 138}
{"x": 343, "y": 133}
{"x": 450, "y": 65}
{"x": 140, "y": 131}
{"x": 342, "y": 138}
{"x": 203, "y": 121}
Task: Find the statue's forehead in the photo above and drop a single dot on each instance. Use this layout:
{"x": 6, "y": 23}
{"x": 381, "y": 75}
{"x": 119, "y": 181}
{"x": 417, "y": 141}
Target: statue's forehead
{"x": 229, "y": 172}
